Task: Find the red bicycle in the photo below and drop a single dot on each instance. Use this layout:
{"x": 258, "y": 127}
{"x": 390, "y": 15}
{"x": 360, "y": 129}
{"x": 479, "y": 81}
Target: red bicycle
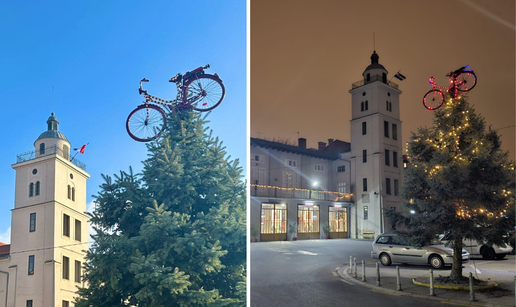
{"x": 461, "y": 80}
{"x": 195, "y": 90}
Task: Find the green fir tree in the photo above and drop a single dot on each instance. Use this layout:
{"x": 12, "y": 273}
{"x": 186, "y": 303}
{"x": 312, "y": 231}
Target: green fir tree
{"x": 174, "y": 235}
{"x": 457, "y": 183}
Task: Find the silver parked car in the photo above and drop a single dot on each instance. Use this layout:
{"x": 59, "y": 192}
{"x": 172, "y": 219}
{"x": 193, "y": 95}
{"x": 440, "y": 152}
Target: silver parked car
{"x": 389, "y": 248}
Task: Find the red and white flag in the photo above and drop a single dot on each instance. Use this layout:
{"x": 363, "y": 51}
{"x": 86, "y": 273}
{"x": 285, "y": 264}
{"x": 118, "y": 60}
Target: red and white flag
{"x": 81, "y": 149}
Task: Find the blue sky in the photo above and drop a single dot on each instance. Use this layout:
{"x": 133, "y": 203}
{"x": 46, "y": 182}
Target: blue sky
{"x": 94, "y": 53}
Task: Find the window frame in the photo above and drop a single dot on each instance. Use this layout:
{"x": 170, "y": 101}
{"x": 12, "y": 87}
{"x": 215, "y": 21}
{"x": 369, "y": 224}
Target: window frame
{"x": 78, "y": 230}
{"x": 388, "y": 186}
{"x": 66, "y": 268}
{"x": 386, "y": 129}
{"x": 395, "y": 158}
{"x": 394, "y": 131}
{"x": 32, "y": 259}
{"x": 66, "y": 225}
{"x": 387, "y": 157}
{"x": 32, "y": 222}
{"x": 364, "y": 128}
{"x": 364, "y": 184}
{"x": 364, "y": 156}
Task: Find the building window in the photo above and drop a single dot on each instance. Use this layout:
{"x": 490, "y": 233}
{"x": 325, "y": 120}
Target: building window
{"x": 394, "y": 132}
{"x": 258, "y": 175}
{"x": 319, "y": 167}
{"x": 387, "y": 157}
{"x": 77, "y": 271}
{"x": 364, "y": 155}
{"x": 362, "y": 106}
{"x": 308, "y": 217}
{"x": 69, "y": 192}
{"x": 291, "y": 163}
{"x": 368, "y": 77}
{"x": 364, "y": 184}
{"x": 42, "y": 148}
{"x": 66, "y": 304}
{"x": 66, "y": 225}
{"x": 366, "y": 105}
{"x": 37, "y": 188}
{"x": 29, "y": 303}
{"x": 274, "y": 219}
{"x": 386, "y": 129}
{"x": 364, "y": 128}
{"x": 66, "y": 267}
{"x": 31, "y": 265}
{"x": 387, "y": 105}
{"x": 396, "y": 187}
{"x": 388, "y": 186}
{"x": 366, "y": 213}
{"x": 73, "y": 194}
{"x": 341, "y": 169}
{"x": 258, "y": 158}
{"x": 77, "y": 230}
{"x": 289, "y": 180}
{"x": 338, "y": 219}
{"x": 66, "y": 152}
{"x": 341, "y": 187}
{"x": 31, "y": 189}
{"x": 32, "y": 223}
{"x": 395, "y": 158}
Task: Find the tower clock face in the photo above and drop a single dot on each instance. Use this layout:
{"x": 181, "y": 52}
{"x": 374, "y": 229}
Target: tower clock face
{"x": 34, "y": 171}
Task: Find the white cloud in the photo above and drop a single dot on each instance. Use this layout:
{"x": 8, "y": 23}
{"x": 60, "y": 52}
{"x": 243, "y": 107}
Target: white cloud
{"x": 5, "y": 236}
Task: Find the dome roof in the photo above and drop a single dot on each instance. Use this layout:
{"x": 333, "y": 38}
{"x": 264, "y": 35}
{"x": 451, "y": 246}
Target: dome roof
{"x": 52, "y": 131}
{"x": 374, "y": 63}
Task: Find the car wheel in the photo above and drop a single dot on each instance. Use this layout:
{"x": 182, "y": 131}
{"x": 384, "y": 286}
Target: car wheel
{"x": 500, "y": 256}
{"x": 488, "y": 253}
{"x": 385, "y": 259}
{"x": 436, "y": 262}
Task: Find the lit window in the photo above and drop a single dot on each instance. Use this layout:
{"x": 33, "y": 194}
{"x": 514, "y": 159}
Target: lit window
{"x": 308, "y": 217}
{"x": 366, "y": 213}
{"x": 274, "y": 219}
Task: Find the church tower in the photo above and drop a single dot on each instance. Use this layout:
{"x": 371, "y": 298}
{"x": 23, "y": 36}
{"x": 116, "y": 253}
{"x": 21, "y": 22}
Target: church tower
{"x": 376, "y": 149}
{"x": 49, "y": 229}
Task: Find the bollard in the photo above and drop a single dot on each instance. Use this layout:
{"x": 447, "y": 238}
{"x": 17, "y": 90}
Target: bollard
{"x": 432, "y": 283}
{"x": 363, "y": 271}
{"x": 398, "y": 280}
{"x": 350, "y": 264}
{"x": 471, "y": 292}
{"x": 378, "y": 275}
{"x": 355, "y": 267}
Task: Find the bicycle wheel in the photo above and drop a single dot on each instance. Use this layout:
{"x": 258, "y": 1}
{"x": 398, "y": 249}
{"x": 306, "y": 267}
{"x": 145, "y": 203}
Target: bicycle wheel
{"x": 433, "y": 99}
{"x": 146, "y": 123}
{"x": 204, "y": 92}
{"x": 467, "y": 81}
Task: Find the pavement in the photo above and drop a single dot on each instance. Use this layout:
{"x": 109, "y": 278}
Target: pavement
{"x": 501, "y": 295}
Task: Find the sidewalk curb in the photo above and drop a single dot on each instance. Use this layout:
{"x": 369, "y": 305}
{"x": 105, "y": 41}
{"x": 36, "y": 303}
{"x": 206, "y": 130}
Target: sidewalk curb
{"x": 344, "y": 274}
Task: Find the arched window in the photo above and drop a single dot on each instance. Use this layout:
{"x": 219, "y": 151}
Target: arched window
{"x": 42, "y": 148}
{"x": 66, "y": 152}
{"x": 362, "y": 106}
{"x": 73, "y": 194}
{"x": 31, "y": 189}
{"x": 37, "y": 188}
{"x": 69, "y": 192}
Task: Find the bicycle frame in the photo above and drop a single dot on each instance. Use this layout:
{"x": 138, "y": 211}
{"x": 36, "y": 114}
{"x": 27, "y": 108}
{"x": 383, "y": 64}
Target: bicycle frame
{"x": 181, "y": 100}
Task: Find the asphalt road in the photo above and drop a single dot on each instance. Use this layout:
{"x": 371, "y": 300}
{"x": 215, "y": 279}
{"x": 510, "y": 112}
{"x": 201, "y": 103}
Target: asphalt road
{"x": 303, "y": 273}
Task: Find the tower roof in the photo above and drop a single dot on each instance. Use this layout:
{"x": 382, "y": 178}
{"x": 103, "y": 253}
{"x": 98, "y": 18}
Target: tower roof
{"x": 52, "y": 131}
{"x": 374, "y": 62}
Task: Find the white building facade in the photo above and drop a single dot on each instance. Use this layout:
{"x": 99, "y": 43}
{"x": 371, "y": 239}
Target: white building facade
{"x": 347, "y": 187}
{"x": 49, "y": 228}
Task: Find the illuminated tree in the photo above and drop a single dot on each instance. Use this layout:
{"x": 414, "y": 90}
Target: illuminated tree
{"x": 174, "y": 235}
{"x": 458, "y": 182}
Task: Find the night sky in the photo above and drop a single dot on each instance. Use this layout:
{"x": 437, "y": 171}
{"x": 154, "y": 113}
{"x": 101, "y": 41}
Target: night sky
{"x": 306, "y": 54}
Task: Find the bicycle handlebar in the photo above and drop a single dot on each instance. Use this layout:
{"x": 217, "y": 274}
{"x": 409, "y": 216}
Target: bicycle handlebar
{"x": 141, "y": 90}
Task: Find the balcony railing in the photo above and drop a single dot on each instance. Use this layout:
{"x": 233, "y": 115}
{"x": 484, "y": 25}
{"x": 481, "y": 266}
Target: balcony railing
{"x": 371, "y": 80}
{"x": 49, "y": 151}
{"x": 281, "y": 192}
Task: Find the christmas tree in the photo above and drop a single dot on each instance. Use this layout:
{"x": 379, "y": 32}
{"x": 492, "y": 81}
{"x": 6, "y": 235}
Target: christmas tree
{"x": 174, "y": 235}
{"x": 457, "y": 183}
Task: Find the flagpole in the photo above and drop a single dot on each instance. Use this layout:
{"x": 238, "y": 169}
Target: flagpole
{"x": 77, "y": 151}
{"x": 393, "y": 76}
